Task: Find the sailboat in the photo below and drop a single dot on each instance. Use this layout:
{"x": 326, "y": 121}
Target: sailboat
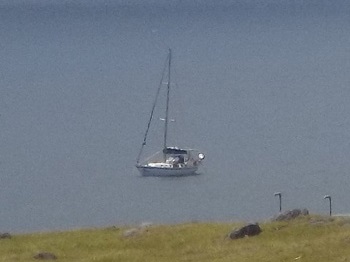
{"x": 170, "y": 160}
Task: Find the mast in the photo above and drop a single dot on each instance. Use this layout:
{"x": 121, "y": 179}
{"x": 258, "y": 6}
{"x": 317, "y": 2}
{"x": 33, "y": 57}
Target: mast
{"x": 167, "y": 105}
{"x": 152, "y": 112}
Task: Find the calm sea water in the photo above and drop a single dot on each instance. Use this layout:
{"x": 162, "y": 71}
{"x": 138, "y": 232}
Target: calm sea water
{"x": 263, "y": 89}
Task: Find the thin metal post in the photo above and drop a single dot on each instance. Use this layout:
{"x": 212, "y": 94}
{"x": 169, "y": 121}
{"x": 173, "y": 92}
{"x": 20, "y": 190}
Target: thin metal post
{"x": 279, "y": 194}
{"x": 330, "y": 203}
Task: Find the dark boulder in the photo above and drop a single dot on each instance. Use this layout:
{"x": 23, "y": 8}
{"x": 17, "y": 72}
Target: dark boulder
{"x": 291, "y": 214}
{"x": 45, "y": 256}
{"x": 5, "y": 236}
{"x": 248, "y": 230}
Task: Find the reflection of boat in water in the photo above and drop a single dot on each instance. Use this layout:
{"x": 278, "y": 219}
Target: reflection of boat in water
{"x": 170, "y": 161}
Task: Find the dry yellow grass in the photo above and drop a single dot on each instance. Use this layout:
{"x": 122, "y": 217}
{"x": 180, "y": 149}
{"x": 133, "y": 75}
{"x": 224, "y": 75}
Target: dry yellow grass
{"x": 308, "y": 239}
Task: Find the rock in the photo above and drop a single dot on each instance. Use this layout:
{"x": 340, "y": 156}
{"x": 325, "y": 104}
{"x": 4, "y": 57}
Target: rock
{"x": 137, "y": 230}
{"x": 5, "y": 236}
{"x": 146, "y": 225}
{"x": 248, "y": 230}
{"x": 45, "y": 256}
{"x": 291, "y": 214}
{"x": 132, "y": 232}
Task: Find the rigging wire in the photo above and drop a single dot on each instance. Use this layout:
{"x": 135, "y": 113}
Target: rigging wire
{"x": 152, "y": 111}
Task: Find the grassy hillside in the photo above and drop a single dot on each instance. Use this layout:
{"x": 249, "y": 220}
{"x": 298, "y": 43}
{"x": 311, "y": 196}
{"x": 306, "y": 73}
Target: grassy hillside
{"x": 309, "y": 239}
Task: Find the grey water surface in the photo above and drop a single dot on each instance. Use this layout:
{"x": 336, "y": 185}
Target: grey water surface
{"x": 262, "y": 88}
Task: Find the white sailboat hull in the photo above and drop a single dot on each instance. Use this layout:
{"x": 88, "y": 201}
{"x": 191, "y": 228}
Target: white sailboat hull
{"x": 166, "y": 171}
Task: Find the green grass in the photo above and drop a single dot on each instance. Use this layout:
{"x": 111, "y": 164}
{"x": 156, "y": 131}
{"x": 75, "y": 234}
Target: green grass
{"x": 312, "y": 239}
